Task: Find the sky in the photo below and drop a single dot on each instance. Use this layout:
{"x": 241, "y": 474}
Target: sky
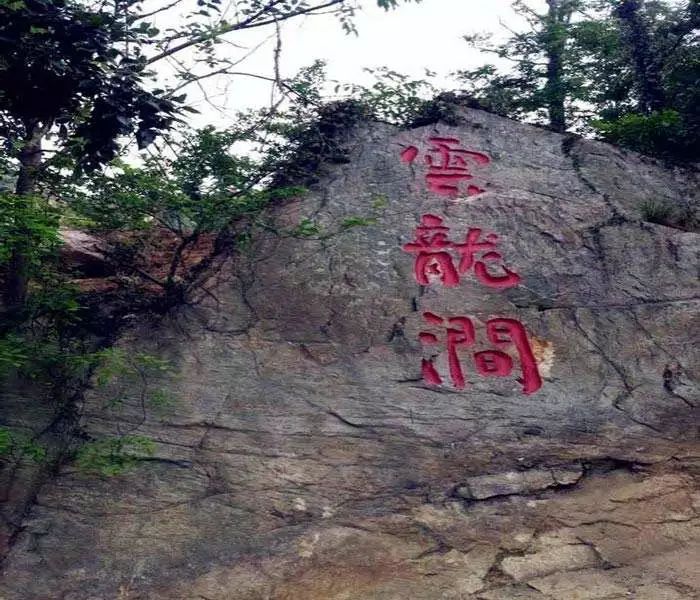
{"x": 410, "y": 39}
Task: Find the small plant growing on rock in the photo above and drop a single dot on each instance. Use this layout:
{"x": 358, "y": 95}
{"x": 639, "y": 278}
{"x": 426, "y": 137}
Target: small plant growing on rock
{"x": 15, "y": 446}
{"x": 662, "y": 213}
{"x": 306, "y": 228}
{"x": 351, "y": 222}
{"x": 113, "y": 456}
{"x": 655, "y": 211}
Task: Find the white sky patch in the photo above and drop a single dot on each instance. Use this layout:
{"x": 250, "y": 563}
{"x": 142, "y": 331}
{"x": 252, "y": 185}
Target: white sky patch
{"x": 409, "y": 40}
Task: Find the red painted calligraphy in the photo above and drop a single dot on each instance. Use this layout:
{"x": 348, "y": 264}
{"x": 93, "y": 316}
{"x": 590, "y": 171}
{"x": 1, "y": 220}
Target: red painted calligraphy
{"x": 461, "y": 334}
{"x": 433, "y": 261}
{"x": 448, "y": 164}
{"x": 503, "y": 333}
{"x": 439, "y": 259}
{"x": 471, "y": 247}
{"x": 430, "y": 247}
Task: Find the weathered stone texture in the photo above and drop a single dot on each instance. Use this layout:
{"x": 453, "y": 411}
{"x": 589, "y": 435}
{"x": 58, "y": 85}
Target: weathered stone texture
{"x": 304, "y": 458}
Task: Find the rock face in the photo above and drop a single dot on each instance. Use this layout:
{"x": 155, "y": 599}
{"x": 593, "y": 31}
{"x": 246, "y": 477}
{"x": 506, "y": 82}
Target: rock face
{"x": 319, "y": 444}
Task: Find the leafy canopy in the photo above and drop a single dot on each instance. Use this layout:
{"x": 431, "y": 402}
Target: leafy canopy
{"x": 625, "y": 70}
{"x": 79, "y": 73}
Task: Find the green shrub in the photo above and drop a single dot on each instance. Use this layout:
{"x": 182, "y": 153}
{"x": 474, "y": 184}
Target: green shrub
{"x": 656, "y": 212}
{"x": 663, "y": 134}
{"x": 17, "y": 445}
{"x": 663, "y": 213}
{"x": 113, "y": 456}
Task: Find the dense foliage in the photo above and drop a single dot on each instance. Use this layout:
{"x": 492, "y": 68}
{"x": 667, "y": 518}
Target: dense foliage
{"x": 627, "y": 71}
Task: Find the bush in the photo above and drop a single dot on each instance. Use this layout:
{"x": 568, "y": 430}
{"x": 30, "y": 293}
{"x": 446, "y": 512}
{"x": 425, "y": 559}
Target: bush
{"x": 16, "y": 445}
{"x": 663, "y": 213}
{"x": 113, "y": 456}
{"x": 664, "y": 134}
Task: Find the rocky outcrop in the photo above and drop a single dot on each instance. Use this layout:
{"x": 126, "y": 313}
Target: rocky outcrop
{"x": 131, "y": 260}
{"x": 331, "y": 434}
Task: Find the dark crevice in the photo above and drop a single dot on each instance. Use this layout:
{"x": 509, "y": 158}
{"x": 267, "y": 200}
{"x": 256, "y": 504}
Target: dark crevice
{"x": 594, "y": 467}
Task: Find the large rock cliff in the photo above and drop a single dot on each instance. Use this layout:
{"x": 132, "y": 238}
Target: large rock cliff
{"x": 400, "y": 406}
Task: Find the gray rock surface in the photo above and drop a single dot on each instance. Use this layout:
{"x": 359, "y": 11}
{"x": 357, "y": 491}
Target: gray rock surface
{"x": 304, "y": 457}
{"x": 82, "y": 250}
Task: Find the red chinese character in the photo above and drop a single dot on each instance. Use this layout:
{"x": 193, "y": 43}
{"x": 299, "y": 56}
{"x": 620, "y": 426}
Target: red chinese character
{"x": 489, "y": 363}
{"x": 462, "y": 335}
{"x": 432, "y": 258}
{"x": 471, "y": 247}
{"x": 448, "y": 164}
{"x": 431, "y": 246}
{"x": 509, "y": 331}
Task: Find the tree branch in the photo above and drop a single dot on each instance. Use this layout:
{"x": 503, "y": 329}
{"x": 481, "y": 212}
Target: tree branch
{"x": 155, "y": 12}
{"x": 248, "y": 23}
{"x": 225, "y": 71}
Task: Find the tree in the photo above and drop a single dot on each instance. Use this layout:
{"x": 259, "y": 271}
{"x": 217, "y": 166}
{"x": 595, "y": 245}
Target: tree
{"x": 554, "y": 38}
{"x": 659, "y": 54}
{"x": 82, "y": 76}
{"x": 542, "y": 82}
{"x": 198, "y": 187}
{"x": 63, "y": 75}
{"x": 647, "y": 63}
{"x": 627, "y": 71}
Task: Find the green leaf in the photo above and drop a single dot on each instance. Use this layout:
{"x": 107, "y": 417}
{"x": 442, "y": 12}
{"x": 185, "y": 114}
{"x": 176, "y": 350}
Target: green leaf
{"x": 351, "y": 222}
{"x": 307, "y": 228}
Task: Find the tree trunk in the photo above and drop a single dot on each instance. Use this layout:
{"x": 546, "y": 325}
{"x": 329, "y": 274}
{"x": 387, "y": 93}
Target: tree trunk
{"x": 647, "y": 68}
{"x": 15, "y": 293}
{"x": 555, "y": 45}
